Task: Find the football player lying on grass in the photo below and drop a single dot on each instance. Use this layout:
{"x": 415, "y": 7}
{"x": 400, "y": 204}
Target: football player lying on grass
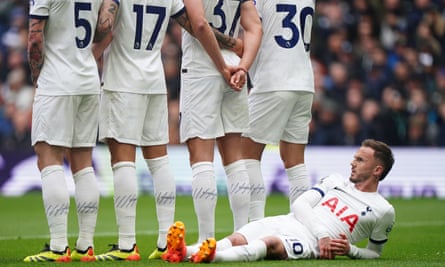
{"x": 325, "y": 221}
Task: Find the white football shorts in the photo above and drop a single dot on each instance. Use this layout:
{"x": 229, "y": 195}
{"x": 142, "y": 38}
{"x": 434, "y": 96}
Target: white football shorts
{"x": 209, "y": 108}
{"x": 279, "y": 115}
{"x": 137, "y": 119}
{"x": 297, "y": 240}
{"x": 68, "y": 121}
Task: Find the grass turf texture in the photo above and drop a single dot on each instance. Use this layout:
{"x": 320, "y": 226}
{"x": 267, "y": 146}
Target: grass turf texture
{"x": 418, "y": 238}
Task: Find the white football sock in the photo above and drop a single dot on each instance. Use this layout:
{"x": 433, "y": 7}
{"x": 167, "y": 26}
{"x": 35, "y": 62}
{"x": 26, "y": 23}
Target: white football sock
{"x": 87, "y": 204}
{"x": 192, "y": 249}
{"x": 223, "y": 244}
{"x": 204, "y": 195}
{"x": 254, "y": 251}
{"x": 238, "y": 189}
{"x": 56, "y": 200}
{"x": 165, "y": 195}
{"x": 257, "y": 189}
{"x": 298, "y": 181}
{"x": 125, "y": 200}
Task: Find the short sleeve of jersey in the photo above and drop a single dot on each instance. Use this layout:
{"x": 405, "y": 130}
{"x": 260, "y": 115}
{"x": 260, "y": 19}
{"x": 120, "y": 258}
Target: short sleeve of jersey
{"x": 177, "y": 8}
{"x": 383, "y": 227}
{"x": 39, "y": 9}
{"x": 283, "y": 60}
{"x": 329, "y": 182}
{"x": 259, "y": 7}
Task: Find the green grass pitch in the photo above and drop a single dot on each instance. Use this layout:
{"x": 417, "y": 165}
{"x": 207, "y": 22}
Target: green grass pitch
{"x": 418, "y": 238}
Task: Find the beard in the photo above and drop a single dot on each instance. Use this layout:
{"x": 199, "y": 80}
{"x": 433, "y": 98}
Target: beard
{"x": 356, "y": 179}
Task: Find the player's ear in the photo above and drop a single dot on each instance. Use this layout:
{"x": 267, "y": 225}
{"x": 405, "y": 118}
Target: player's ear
{"x": 378, "y": 170}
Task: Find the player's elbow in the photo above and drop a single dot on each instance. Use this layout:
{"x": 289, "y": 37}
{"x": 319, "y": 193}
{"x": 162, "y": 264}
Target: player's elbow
{"x": 257, "y": 30}
{"x": 254, "y": 29}
{"x": 103, "y": 29}
{"x": 258, "y": 33}
{"x": 35, "y": 48}
{"x": 101, "y": 33}
{"x": 35, "y": 39}
{"x": 200, "y": 26}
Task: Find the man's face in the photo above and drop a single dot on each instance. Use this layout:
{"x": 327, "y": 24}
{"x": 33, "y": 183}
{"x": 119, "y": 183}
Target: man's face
{"x": 363, "y": 165}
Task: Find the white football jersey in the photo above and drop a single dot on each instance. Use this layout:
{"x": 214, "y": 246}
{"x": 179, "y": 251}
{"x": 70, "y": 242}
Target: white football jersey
{"x": 223, "y": 15}
{"x": 360, "y": 215}
{"x": 283, "y": 60}
{"x": 133, "y": 63}
{"x": 69, "y": 67}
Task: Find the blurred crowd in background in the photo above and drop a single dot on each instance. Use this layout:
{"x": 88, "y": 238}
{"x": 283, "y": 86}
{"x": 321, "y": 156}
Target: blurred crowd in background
{"x": 379, "y": 72}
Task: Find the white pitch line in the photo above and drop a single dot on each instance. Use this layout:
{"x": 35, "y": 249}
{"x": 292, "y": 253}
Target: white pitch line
{"x": 153, "y": 232}
{"x": 97, "y": 234}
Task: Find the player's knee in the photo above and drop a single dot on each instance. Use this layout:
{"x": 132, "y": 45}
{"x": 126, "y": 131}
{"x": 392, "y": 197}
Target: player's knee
{"x": 237, "y": 239}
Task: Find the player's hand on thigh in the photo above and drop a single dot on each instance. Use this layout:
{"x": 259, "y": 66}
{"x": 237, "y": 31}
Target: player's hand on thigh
{"x": 324, "y": 245}
{"x": 340, "y": 246}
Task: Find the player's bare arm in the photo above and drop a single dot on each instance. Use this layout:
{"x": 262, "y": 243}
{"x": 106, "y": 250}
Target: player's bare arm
{"x": 224, "y": 41}
{"x": 184, "y": 22}
{"x": 105, "y": 23}
{"x": 36, "y": 47}
{"x": 253, "y": 32}
{"x": 104, "y": 27}
{"x": 227, "y": 42}
{"x": 203, "y": 32}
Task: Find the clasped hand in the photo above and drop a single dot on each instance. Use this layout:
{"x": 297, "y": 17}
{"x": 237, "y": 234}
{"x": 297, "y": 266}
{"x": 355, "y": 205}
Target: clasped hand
{"x": 329, "y": 248}
{"x": 236, "y": 77}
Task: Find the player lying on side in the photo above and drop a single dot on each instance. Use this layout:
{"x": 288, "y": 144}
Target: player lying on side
{"x": 325, "y": 221}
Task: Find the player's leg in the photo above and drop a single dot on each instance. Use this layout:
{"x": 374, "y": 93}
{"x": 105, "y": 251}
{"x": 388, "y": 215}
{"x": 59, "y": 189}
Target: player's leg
{"x": 120, "y": 127}
{"x": 164, "y": 188}
{"x": 154, "y": 142}
{"x": 238, "y": 186}
{"x": 273, "y": 247}
{"x": 293, "y": 158}
{"x": 293, "y": 143}
{"x": 267, "y": 118}
{"x": 209, "y": 252}
{"x": 254, "y": 251}
{"x": 165, "y": 197}
{"x": 55, "y": 194}
{"x": 86, "y": 188}
{"x": 200, "y": 125}
{"x": 252, "y": 152}
{"x": 125, "y": 200}
{"x": 269, "y": 238}
{"x": 247, "y": 234}
{"x": 178, "y": 251}
{"x": 235, "y": 119}
{"x": 204, "y": 191}
{"x": 125, "y": 190}
{"x": 49, "y": 145}
{"x": 87, "y": 203}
